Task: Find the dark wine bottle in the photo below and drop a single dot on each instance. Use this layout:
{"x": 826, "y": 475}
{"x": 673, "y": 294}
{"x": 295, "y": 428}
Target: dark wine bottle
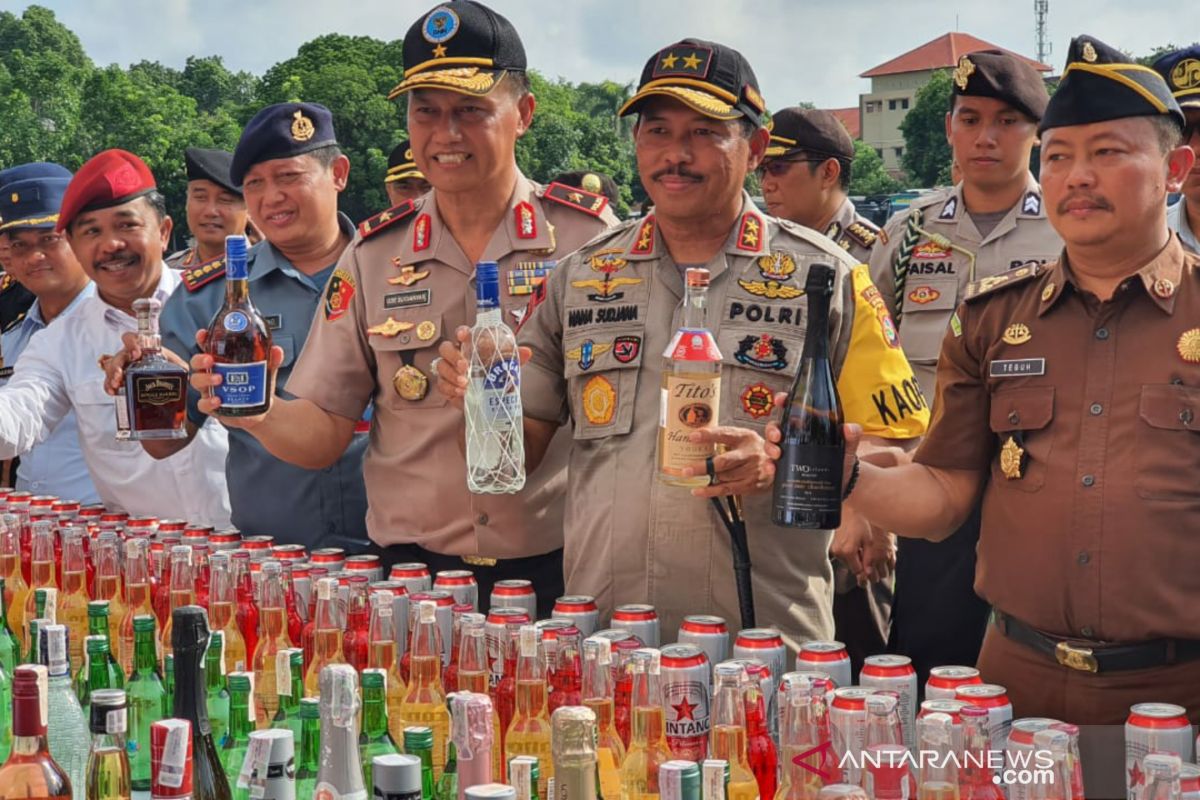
{"x": 808, "y": 477}
{"x": 239, "y": 341}
{"x": 189, "y": 639}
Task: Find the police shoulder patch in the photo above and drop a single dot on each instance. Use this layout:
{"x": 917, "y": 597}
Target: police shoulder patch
{"x": 12, "y": 324}
{"x": 991, "y": 283}
{"x": 6, "y": 281}
{"x": 862, "y": 234}
{"x": 203, "y": 274}
{"x": 578, "y": 199}
{"x": 385, "y": 219}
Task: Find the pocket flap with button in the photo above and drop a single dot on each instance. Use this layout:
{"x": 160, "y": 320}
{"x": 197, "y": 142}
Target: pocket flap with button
{"x": 1171, "y": 406}
{"x": 1025, "y": 408}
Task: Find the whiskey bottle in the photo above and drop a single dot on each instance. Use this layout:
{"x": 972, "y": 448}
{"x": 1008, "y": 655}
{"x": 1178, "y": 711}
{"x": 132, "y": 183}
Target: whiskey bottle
{"x": 155, "y": 389}
{"x": 239, "y": 341}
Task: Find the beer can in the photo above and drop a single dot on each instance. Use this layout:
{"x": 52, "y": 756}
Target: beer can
{"x": 302, "y": 586}
{"x": 134, "y": 526}
{"x": 618, "y": 636}
{"x": 895, "y": 674}
{"x": 275, "y": 771}
{"x": 828, "y": 657}
{"x": 848, "y": 727}
{"x": 172, "y": 526}
{"x": 331, "y": 558}
{"x": 548, "y": 630}
{"x": 1155, "y": 728}
{"x": 1019, "y": 751}
{"x": 686, "y": 677}
{"x": 171, "y": 758}
{"x": 396, "y": 777}
{"x": 944, "y": 680}
{"x": 1189, "y": 781}
{"x": 514, "y": 593}
{"x": 640, "y": 619}
{"x": 194, "y": 535}
{"x": 678, "y": 780}
{"x": 708, "y": 633}
{"x": 765, "y": 644}
{"x": 90, "y": 514}
{"x": 288, "y": 552}
{"x": 578, "y": 609}
{"x": 365, "y": 564}
{"x": 259, "y": 547}
{"x": 42, "y": 502}
{"x": 495, "y": 634}
{"x": 461, "y": 584}
{"x": 414, "y": 575}
{"x": 444, "y": 614}
{"x": 995, "y": 699}
{"x": 225, "y": 540}
{"x": 816, "y": 679}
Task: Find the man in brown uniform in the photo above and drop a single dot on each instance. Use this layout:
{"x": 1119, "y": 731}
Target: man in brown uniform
{"x": 406, "y": 281}
{"x": 598, "y": 330}
{"x": 1069, "y": 396}
{"x": 991, "y": 222}
{"x": 814, "y": 195}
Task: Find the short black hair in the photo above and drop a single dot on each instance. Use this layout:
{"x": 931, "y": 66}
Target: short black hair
{"x": 1167, "y": 132}
{"x": 843, "y": 174}
{"x": 158, "y": 203}
{"x": 325, "y": 156}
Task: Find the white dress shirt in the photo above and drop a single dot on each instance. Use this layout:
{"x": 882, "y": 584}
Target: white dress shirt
{"x": 58, "y": 373}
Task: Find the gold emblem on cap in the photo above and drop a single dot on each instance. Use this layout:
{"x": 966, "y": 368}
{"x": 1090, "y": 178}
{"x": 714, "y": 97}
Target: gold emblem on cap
{"x": 410, "y": 383}
{"x": 1048, "y": 292}
{"x": 1186, "y": 74}
{"x": 1089, "y": 52}
{"x": 1011, "y": 455}
{"x": 669, "y": 61}
{"x": 426, "y": 331}
{"x": 389, "y": 328}
{"x": 1164, "y": 287}
{"x": 963, "y": 73}
{"x": 1189, "y": 346}
{"x": 1017, "y": 333}
{"x": 302, "y": 127}
{"x": 16, "y": 197}
{"x": 408, "y": 156}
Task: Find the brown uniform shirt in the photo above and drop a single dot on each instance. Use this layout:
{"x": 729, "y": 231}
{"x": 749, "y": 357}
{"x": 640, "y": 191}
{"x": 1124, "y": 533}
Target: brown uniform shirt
{"x": 598, "y": 334}
{"x": 853, "y": 232}
{"x": 937, "y": 276}
{"x": 406, "y": 267}
{"x": 1092, "y": 531}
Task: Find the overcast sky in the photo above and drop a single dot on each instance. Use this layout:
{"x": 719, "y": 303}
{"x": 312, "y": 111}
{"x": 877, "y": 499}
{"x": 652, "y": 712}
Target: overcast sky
{"x": 800, "y": 49}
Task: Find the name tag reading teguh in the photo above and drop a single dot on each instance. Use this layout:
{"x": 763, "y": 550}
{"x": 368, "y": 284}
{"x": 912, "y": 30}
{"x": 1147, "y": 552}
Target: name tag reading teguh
{"x": 1017, "y": 367}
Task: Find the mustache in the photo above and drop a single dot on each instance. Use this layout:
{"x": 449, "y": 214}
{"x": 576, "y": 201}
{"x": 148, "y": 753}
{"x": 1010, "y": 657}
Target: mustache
{"x": 679, "y": 171}
{"x": 1094, "y": 199}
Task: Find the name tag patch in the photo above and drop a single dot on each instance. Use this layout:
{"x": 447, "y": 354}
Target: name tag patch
{"x": 417, "y": 297}
{"x": 1017, "y": 367}
{"x": 274, "y": 321}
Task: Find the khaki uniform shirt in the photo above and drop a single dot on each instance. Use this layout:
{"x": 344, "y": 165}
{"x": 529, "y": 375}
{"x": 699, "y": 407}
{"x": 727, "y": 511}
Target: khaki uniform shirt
{"x": 1086, "y": 415}
{"x": 853, "y": 232}
{"x": 937, "y": 275}
{"x": 598, "y": 333}
{"x": 407, "y": 268}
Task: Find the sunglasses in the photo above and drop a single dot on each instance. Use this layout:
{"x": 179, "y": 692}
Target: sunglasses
{"x": 778, "y": 167}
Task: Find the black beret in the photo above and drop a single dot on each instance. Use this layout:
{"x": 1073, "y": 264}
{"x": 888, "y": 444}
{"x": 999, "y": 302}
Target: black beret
{"x": 1181, "y": 71}
{"x": 401, "y": 164}
{"x": 1003, "y": 76}
{"x": 809, "y": 130}
{"x": 1101, "y": 83}
{"x": 283, "y": 130}
{"x": 709, "y": 77}
{"x": 463, "y": 46}
{"x": 210, "y": 165}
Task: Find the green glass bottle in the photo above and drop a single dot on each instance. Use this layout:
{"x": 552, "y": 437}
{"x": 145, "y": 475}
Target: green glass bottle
{"x": 447, "y": 784}
{"x": 99, "y": 625}
{"x": 147, "y": 700}
{"x": 6, "y": 720}
{"x": 100, "y": 674}
{"x": 374, "y": 739}
{"x": 33, "y": 656}
{"x": 418, "y": 741}
{"x": 10, "y": 645}
{"x": 216, "y": 692}
{"x": 169, "y": 678}
{"x": 290, "y": 691}
{"x": 309, "y": 763}
{"x": 241, "y": 722}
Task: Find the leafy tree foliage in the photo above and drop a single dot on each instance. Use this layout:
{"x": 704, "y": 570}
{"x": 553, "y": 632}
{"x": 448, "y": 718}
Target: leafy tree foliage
{"x": 926, "y": 152}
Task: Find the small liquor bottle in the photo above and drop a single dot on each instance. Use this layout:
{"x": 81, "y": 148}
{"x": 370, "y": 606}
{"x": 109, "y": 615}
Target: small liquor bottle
{"x": 30, "y": 771}
{"x": 155, "y": 389}
{"x": 691, "y": 387}
{"x": 108, "y": 773}
{"x": 239, "y": 341}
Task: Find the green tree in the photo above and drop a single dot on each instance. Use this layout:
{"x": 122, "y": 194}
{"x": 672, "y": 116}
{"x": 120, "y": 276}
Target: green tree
{"x": 212, "y": 86}
{"x": 867, "y": 175}
{"x": 927, "y": 154}
{"x": 1161, "y": 50}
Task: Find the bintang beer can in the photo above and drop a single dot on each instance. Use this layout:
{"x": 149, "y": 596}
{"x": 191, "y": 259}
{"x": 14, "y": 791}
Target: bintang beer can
{"x": 286, "y": 552}
{"x": 848, "y": 726}
{"x": 944, "y": 680}
{"x": 765, "y": 644}
{"x": 259, "y": 547}
{"x": 1018, "y": 751}
{"x": 895, "y": 674}
{"x": 514, "y": 593}
{"x": 708, "y": 633}
{"x": 578, "y": 609}
{"x": 1189, "y": 781}
{"x": 828, "y": 657}
{"x": 365, "y": 565}
{"x": 225, "y": 540}
{"x": 995, "y": 699}
{"x": 414, "y": 575}
{"x": 686, "y": 677}
{"x": 331, "y": 558}
{"x": 444, "y": 613}
{"x": 639, "y": 619}
{"x": 1154, "y": 728}
{"x": 460, "y": 583}
{"x": 495, "y": 633}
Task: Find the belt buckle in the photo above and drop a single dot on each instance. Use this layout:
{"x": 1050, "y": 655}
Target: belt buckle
{"x": 1077, "y": 658}
{"x": 480, "y": 561}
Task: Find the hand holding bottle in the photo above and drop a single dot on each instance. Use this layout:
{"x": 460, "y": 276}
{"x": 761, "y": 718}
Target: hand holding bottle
{"x": 453, "y": 363}
{"x": 203, "y": 380}
{"x": 114, "y": 365}
{"x": 745, "y": 463}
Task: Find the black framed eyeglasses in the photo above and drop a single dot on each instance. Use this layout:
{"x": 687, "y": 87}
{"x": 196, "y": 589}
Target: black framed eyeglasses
{"x": 778, "y": 167}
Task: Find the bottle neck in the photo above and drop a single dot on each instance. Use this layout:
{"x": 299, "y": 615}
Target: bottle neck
{"x": 28, "y": 724}
{"x": 816, "y": 339}
{"x": 237, "y": 291}
{"x": 695, "y": 307}
{"x": 145, "y": 656}
{"x": 189, "y": 695}
{"x": 310, "y": 743}
{"x": 214, "y": 680}
{"x": 98, "y": 671}
{"x": 374, "y": 720}
{"x": 239, "y": 717}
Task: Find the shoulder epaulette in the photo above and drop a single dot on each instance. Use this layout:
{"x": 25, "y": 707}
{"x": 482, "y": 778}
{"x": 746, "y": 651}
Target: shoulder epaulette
{"x": 578, "y": 199}
{"x": 1012, "y": 277}
{"x": 861, "y": 234}
{"x": 204, "y": 273}
{"x": 813, "y": 238}
{"x": 6, "y": 281}
{"x": 384, "y": 219}
{"x": 14, "y": 322}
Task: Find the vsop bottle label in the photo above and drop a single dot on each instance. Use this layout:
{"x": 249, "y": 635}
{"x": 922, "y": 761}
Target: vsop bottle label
{"x": 239, "y": 340}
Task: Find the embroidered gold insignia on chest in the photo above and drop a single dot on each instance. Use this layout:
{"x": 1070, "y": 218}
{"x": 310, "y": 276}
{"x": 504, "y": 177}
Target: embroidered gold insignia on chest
{"x": 1189, "y": 346}
{"x": 1011, "y": 455}
{"x": 389, "y": 328}
{"x": 1017, "y": 333}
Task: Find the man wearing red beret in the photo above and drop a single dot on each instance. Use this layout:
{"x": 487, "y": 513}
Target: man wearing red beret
{"x": 116, "y": 223}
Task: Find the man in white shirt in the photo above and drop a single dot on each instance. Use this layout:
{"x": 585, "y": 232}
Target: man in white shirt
{"x": 116, "y": 223}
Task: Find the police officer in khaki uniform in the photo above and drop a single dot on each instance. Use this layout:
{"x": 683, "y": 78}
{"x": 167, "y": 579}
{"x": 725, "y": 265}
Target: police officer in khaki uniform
{"x": 406, "y": 282}
{"x": 814, "y": 194}
{"x": 1069, "y": 397}
{"x": 991, "y": 222}
{"x": 598, "y": 330}
{"x": 404, "y": 180}
{"x": 1181, "y": 71}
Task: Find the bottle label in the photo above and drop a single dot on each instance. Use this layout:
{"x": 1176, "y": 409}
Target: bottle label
{"x": 236, "y": 322}
{"x": 693, "y": 345}
{"x": 121, "y": 406}
{"x": 157, "y": 390}
{"x": 688, "y": 404}
{"x": 242, "y": 385}
{"x": 56, "y": 655}
{"x": 174, "y": 758}
{"x": 283, "y": 672}
{"x": 502, "y": 393}
{"x": 809, "y": 479}
{"x": 115, "y": 721}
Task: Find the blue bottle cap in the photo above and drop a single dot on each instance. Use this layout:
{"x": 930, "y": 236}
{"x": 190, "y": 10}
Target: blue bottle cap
{"x": 236, "y": 267}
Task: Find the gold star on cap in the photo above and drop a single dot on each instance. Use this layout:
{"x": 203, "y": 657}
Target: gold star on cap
{"x": 963, "y": 73}
{"x": 669, "y": 61}
{"x": 439, "y": 51}
{"x": 1089, "y": 52}
{"x": 691, "y": 62}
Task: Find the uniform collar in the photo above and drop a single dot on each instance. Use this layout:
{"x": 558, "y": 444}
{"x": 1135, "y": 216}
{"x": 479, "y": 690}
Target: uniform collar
{"x": 1160, "y": 278}
{"x": 954, "y": 211}
{"x": 265, "y": 258}
{"x": 842, "y": 219}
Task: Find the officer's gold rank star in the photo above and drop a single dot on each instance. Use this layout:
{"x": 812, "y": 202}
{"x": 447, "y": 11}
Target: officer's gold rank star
{"x": 644, "y": 239}
{"x": 669, "y": 61}
{"x": 439, "y": 51}
{"x": 575, "y": 197}
{"x": 751, "y": 234}
{"x": 691, "y": 62}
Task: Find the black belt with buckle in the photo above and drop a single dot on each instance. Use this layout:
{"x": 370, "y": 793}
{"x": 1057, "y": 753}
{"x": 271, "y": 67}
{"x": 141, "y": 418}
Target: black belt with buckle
{"x": 1088, "y": 656}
